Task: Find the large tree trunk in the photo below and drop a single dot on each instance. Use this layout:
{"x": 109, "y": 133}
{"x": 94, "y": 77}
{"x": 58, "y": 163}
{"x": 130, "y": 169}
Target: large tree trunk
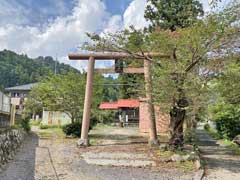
{"x": 177, "y": 116}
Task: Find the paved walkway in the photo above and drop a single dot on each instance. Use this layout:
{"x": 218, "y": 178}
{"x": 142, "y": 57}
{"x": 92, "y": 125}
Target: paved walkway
{"x": 60, "y": 159}
{"x": 23, "y": 165}
{"x": 222, "y": 164}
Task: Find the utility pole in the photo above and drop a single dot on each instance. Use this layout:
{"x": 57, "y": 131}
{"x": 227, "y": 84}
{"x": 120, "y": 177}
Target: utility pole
{"x": 55, "y": 67}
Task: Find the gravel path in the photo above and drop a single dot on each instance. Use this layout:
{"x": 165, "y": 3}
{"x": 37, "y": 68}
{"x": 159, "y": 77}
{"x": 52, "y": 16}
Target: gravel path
{"x": 60, "y": 159}
{"x": 222, "y": 164}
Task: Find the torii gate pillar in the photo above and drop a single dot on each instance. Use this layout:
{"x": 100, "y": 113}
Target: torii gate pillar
{"x": 84, "y": 141}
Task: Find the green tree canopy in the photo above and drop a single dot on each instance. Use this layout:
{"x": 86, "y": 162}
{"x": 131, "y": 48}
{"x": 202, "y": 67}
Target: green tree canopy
{"x": 198, "y": 52}
{"x": 63, "y": 93}
{"x": 18, "y": 69}
{"x": 225, "y": 105}
{"x": 172, "y": 14}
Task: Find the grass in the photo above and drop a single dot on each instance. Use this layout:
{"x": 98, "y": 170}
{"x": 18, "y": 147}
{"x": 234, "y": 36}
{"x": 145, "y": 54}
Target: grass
{"x": 15, "y": 127}
{"x": 94, "y": 141}
{"x": 164, "y": 154}
{"x": 51, "y": 132}
{"x": 102, "y": 126}
{"x": 186, "y": 166}
{"x": 213, "y": 133}
{"x": 34, "y": 123}
{"x": 227, "y": 143}
{"x": 49, "y": 126}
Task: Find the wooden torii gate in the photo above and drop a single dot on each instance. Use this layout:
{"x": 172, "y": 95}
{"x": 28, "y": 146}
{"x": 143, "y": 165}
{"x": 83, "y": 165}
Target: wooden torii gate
{"x": 91, "y": 57}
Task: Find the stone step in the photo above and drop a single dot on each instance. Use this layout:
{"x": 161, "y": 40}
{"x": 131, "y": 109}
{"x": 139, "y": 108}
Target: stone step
{"x": 118, "y": 159}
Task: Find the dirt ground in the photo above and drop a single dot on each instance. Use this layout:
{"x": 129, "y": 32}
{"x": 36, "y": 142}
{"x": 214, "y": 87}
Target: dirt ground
{"x": 58, "y": 158}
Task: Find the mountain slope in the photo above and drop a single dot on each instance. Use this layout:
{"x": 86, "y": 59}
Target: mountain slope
{"x": 19, "y": 69}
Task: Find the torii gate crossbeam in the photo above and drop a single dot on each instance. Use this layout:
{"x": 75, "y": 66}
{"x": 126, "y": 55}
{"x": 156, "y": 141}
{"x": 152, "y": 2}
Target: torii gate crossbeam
{"x": 91, "y": 57}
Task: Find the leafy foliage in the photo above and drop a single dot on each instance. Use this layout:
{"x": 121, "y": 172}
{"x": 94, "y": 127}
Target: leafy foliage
{"x": 63, "y": 93}
{"x": 107, "y": 116}
{"x": 173, "y": 14}
{"x": 226, "y": 110}
{"x": 19, "y": 69}
{"x": 25, "y": 124}
{"x": 199, "y": 52}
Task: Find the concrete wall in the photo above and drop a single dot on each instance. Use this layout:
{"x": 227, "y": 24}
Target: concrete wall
{"x": 162, "y": 119}
{"x": 55, "y": 118}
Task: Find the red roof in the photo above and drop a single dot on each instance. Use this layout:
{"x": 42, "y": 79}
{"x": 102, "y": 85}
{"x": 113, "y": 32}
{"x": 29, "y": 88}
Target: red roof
{"x": 129, "y": 103}
{"x": 108, "y": 105}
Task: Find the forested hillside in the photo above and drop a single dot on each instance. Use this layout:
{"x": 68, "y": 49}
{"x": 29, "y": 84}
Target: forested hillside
{"x": 20, "y": 69}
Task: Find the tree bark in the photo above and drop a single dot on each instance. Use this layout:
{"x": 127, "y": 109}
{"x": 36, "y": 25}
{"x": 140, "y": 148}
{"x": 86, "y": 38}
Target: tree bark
{"x": 72, "y": 120}
{"x": 177, "y": 116}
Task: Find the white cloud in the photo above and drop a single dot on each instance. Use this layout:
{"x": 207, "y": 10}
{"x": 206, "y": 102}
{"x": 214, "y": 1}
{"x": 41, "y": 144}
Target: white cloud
{"x": 114, "y": 24}
{"x": 134, "y": 14}
{"x": 60, "y": 37}
{"x": 11, "y": 8}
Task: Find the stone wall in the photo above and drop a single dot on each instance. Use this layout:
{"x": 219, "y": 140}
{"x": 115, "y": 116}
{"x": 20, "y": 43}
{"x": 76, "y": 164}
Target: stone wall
{"x": 10, "y": 140}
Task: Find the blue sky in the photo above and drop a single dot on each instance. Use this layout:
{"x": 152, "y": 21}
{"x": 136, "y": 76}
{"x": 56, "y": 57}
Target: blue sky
{"x": 117, "y": 6}
{"x": 40, "y": 12}
{"x": 58, "y": 27}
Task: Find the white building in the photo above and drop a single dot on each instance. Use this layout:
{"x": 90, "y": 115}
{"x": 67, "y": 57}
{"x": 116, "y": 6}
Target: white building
{"x": 4, "y": 103}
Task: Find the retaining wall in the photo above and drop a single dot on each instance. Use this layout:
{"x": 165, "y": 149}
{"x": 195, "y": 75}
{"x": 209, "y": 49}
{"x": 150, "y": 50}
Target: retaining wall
{"x": 10, "y": 140}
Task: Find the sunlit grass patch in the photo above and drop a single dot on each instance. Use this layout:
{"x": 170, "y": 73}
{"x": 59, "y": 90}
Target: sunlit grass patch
{"x": 186, "y": 166}
{"x": 52, "y": 132}
{"x": 234, "y": 147}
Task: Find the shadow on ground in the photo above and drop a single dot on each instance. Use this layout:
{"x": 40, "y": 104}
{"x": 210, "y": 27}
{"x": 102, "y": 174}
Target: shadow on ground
{"x": 219, "y": 158}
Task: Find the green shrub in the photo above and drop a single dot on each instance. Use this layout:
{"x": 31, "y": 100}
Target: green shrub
{"x": 93, "y": 122}
{"x": 227, "y": 118}
{"x": 206, "y": 127}
{"x": 25, "y": 124}
{"x": 107, "y": 117}
{"x": 73, "y": 129}
{"x": 228, "y": 127}
{"x": 43, "y": 126}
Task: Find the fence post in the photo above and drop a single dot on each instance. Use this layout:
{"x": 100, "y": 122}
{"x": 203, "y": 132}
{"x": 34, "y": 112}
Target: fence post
{"x": 12, "y": 115}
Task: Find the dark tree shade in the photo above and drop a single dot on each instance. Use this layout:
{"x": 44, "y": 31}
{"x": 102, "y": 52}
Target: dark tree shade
{"x": 171, "y": 14}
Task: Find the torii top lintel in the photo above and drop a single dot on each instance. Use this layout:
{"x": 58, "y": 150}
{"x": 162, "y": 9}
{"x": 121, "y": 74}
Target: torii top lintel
{"x": 110, "y": 56}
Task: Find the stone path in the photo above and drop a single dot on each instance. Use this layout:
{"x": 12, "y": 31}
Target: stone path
{"x": 118, "y": 159}
{"x": 222, "y": 164}
{"x": 60, "y": 159}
